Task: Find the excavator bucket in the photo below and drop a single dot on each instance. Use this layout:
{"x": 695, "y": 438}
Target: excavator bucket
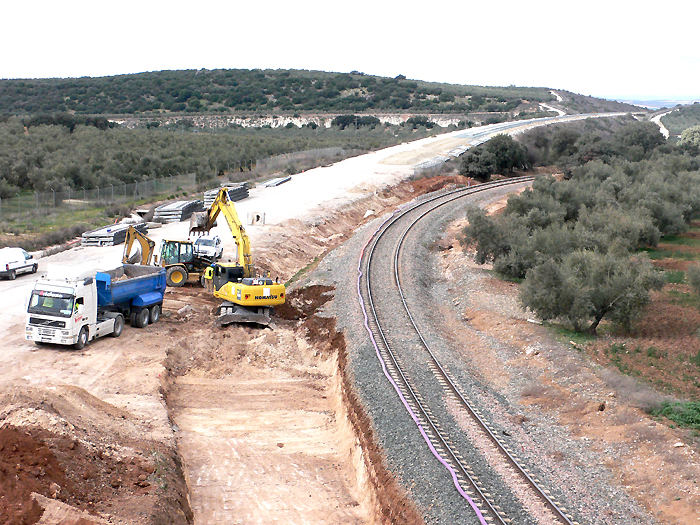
{"x": 199, "y": 222}
{"x": 230, "y": 313}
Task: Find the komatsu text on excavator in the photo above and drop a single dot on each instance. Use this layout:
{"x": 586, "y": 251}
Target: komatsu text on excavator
{"x": 248, "y": 298}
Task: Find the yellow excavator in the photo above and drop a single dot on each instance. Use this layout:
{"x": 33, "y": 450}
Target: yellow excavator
{"x": 248, "y": 298}
{"x": 144, "y": 255}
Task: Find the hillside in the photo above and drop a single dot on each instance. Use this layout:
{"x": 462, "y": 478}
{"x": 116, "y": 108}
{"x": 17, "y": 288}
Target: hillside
{"x": 264, "y": 91}
{"x": 681, "y": 118}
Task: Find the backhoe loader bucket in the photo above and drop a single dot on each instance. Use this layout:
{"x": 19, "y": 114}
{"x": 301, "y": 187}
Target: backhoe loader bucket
{"x": 198, "y": 222}
{"x": 230, "y": 313}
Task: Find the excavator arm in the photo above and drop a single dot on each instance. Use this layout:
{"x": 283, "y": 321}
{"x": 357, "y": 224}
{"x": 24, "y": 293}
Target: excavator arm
{"x": 205, "y": 221}
{"x": 147, "y": 248}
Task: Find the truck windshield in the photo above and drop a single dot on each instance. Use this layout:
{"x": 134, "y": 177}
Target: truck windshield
{"x": 51, "y": 303}
{"x": 205, "y": 242}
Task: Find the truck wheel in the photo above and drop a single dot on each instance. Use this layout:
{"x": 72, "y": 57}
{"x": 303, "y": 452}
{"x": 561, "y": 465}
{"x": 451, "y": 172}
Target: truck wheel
{"x": 12, "y": 275}
{"x": 35, "y": 268}
{"x": 176, "y": 276}
{"x": 142, "y": 318}
{"x": 82, "y": 339}
{"x": 154, "y": 314}
{"x": 118, "y": 326}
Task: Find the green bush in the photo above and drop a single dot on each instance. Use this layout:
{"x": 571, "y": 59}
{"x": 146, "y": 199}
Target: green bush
{"x": 685, "y": 415}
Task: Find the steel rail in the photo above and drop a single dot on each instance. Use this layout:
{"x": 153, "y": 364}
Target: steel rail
{"x": 446, "y": 198}
{"x": 548, "y": 501}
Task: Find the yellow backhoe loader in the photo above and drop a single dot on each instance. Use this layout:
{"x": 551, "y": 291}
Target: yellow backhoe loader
{"x": 181, "y": 264}
{"x": 248, "y": 298}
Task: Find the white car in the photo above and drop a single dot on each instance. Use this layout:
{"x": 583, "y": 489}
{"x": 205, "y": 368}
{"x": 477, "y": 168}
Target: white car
{"x": 208, "y": 246}
{"x": 14, "y": 261}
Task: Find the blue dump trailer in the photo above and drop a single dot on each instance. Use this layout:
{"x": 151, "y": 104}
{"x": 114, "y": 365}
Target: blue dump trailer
{"x": 73, "y": 311}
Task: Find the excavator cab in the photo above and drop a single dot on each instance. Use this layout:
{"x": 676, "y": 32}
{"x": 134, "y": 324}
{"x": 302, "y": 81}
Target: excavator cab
{"x": 226, "y": 273}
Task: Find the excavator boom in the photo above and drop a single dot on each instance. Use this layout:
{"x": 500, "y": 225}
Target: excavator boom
{"x": 148, "y": 247}
{"x": 203, "y": 222}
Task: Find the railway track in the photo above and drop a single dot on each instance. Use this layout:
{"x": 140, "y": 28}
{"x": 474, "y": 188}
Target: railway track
{"x": 487, "y": 475}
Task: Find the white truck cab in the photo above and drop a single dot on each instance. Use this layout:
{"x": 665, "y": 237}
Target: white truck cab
{"x": 65, "y": 312}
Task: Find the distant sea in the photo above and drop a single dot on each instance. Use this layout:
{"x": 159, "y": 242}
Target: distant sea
{"x": 657, "y": 104}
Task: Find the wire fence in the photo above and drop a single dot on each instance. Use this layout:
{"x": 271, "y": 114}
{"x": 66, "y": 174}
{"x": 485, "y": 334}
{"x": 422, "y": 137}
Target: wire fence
{"x": 35, "y": 204}
{"x": 27, "y": 206}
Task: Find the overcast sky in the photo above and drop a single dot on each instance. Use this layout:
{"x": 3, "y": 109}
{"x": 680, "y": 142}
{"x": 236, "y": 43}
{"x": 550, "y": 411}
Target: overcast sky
{"x": 611, "y": 49}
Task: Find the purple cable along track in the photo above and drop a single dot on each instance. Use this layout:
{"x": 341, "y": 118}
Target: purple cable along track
{"x": 396, "y": 387}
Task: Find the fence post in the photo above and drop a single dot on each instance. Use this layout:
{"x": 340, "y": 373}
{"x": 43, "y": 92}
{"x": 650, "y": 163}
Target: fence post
{"x": 98, "y": 195}
{"x": 0, "y": 208}
{"x": 112, "y": 185}
{"x": 19, "y": 201}
{"x": 54, "y": 198}
{"x": 69, "y": 199}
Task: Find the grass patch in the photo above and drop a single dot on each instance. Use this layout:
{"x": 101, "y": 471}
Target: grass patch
{"x": 685, "y": 415}
{"x": 681, "y": 240}
{"x": 569, "y": 335}
{"x": 695, "y": 359}
{"x": 303, "y": 271}
{"x": 656, "y": 254}
{"x": 684, "y": 299}
{"x": 674, "y": 276}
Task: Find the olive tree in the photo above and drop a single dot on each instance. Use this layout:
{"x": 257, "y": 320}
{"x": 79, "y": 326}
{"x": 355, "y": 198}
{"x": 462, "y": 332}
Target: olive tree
{"x": 588, "y": 286}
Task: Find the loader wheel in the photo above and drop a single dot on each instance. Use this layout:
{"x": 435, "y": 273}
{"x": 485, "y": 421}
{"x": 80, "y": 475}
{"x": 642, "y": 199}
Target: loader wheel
{"x": 176, "y": 276}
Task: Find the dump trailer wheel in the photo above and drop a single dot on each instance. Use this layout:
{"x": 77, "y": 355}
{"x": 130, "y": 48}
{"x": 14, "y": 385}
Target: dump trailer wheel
{"x": 154, "y": 314}
{"x": 142, "y": 318}
{"x": 176, "y": 276}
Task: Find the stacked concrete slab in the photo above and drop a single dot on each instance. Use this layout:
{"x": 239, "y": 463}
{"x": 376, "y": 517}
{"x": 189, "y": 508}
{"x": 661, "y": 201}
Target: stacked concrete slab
{"x": 110, "y": 235}
{"x": 276, "y": 182}
{"x": 177, "y": 211}
{"x": 235, "y": 193}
